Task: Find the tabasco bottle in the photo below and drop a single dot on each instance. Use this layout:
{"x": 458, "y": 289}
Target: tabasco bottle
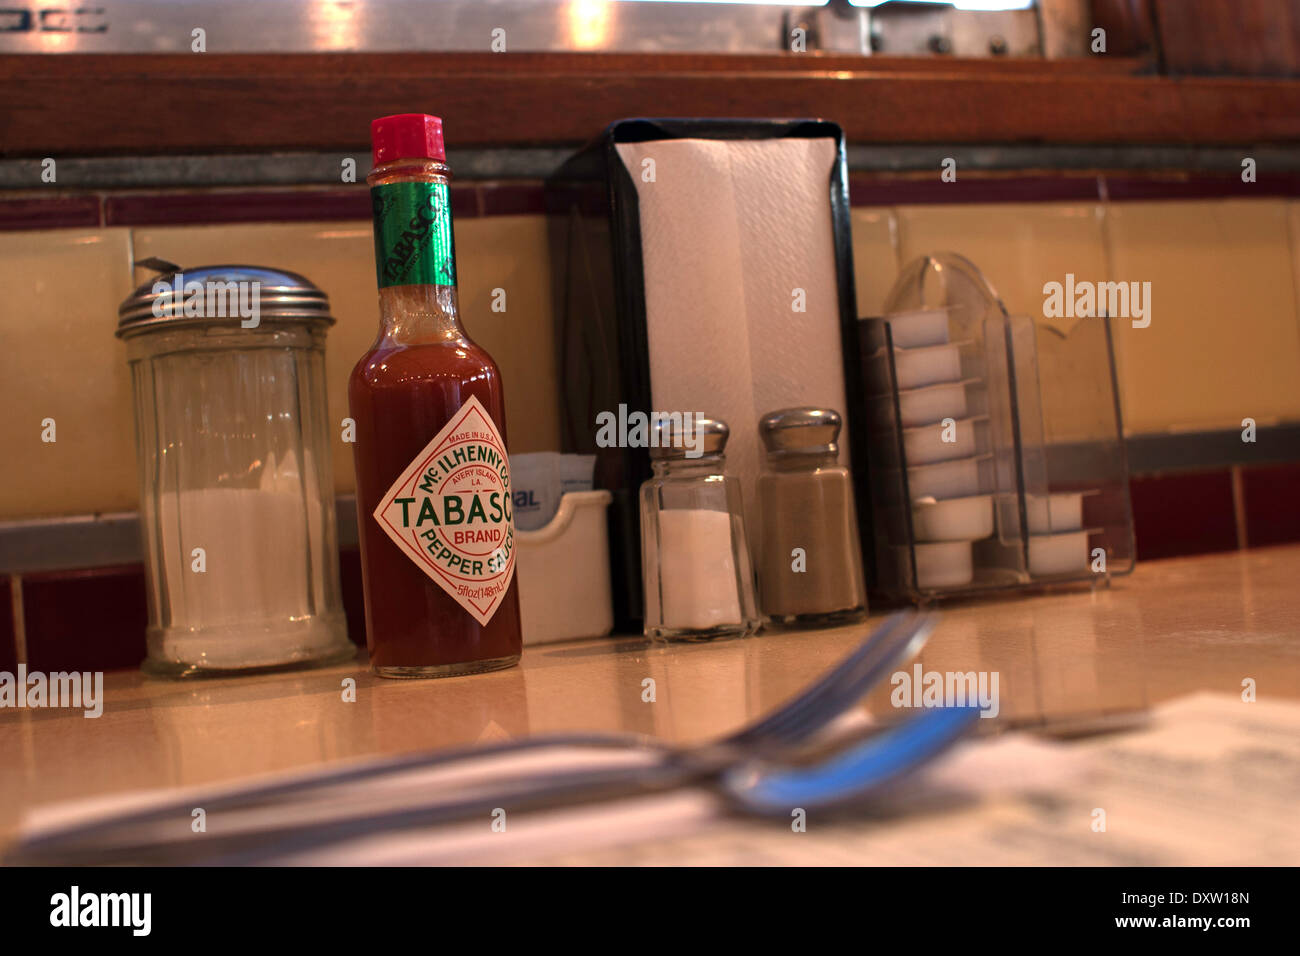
{"x": 433, "y": 479}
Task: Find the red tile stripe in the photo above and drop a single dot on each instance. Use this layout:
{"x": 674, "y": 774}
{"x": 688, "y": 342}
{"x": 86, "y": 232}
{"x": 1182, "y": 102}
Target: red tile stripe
{"x": 930, "y": 189}
{"x": 872, "y": 190}
{"x": 177, "y": 208}
{"x": 1187, "y": 187}
{"x": 8, "y": 646}
{"x": 1183, "y": 513}
{"x": 63, "y": 212}
{"x": 85, "y": 620}
{"x": 1271, "y": 501}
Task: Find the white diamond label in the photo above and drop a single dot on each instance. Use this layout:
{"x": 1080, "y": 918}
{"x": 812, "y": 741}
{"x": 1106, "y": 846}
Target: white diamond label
{"x": 450, "y": 512}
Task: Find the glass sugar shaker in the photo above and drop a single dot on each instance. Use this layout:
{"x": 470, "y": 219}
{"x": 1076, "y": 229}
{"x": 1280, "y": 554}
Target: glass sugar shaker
{"x": 236, "y": 487}
{"x": 695, "y": 562}
{"x": 809, "y": 558}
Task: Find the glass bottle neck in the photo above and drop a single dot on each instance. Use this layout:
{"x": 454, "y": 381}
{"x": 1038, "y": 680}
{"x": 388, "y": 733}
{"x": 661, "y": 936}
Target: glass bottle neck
{"x": 414, "y": 253}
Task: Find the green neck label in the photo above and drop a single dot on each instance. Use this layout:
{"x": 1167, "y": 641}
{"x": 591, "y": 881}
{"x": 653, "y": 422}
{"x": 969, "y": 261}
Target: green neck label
{"x": 413, "y": 234}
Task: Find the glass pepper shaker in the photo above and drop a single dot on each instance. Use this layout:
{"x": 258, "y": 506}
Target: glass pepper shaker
{"x": 810, "y": 562}
{"x": 695, "y": 563}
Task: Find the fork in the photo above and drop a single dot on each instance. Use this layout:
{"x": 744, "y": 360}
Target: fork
{"x": 750, "y": 788}
{"x": 897, "y": 638}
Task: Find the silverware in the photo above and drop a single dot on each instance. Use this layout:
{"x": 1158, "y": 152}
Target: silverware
{"x": 749, "y": 787}
{"x": 853, "y": 773}
{"x": 327, "y": 809}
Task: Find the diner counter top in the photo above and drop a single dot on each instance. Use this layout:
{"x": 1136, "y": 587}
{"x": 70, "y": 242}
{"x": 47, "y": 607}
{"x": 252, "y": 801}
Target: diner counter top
{"x": 1171, "y": 628}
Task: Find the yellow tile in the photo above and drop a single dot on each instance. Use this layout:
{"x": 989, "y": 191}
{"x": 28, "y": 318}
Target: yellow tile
{"x": 1018, "y": 246}
{"x": 59, "y": 360}
{"x": 1223, "y": 343}
{"x": 510, "y": 253}
{"x": 503, "y": 252}
{"x": 875, "y": 257}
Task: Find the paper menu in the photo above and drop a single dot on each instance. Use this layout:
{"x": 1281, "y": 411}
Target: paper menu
{"x": 1212, "y": 781}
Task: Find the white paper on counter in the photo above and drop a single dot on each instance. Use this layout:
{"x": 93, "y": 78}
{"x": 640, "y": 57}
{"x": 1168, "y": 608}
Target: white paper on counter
{"x": 1212, "y": 781}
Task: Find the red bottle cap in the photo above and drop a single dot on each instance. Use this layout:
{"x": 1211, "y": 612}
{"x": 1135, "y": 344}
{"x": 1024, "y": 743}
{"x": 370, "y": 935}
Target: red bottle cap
{"x": 406, "y": 136}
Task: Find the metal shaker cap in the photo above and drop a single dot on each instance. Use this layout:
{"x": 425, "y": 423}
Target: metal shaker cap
{"x": 672, "y": 438}
{"x": 162, "y": 301}
{"x": 800, "y": 431}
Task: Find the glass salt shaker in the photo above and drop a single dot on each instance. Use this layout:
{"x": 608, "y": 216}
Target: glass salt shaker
{"x": 695, "y": 563}
{"x": 809, "y": 559}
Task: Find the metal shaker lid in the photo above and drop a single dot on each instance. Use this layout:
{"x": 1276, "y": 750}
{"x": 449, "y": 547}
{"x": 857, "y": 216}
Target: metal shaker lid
{"x": 800, "y": 431}
{"x": 219, "y": 294}
{"x": 679, "y": 438}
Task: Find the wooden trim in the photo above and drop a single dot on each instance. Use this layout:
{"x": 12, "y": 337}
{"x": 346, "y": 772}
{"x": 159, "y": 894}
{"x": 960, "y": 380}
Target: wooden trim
{"x": 1238, "y": 37}
{"x": 110, "y": 104}
{"x": 1129, "y": 25}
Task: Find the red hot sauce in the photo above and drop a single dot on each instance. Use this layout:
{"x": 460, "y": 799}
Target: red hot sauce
{"x": 433, "y": 479}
